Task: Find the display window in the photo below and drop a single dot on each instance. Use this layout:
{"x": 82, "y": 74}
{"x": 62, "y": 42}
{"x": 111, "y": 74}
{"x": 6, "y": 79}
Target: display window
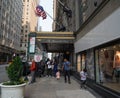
{"x": 108, "y": 66}
{"x": 83, "y": 61}
{"x": 78, "y": 63}
{"x": 81, "y": 58}
{"x": 90, "y": 63}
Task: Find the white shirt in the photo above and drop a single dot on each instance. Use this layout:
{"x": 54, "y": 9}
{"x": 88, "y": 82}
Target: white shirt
{"x": 83, "y": 75}
{"x": 49, "y": 65}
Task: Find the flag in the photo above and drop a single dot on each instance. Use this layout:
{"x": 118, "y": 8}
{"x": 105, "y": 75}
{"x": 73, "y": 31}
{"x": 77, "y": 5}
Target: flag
{"x": 40, "y": 12}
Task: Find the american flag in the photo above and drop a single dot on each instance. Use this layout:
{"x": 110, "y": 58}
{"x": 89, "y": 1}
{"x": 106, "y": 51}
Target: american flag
{"x": 40, "y": 12}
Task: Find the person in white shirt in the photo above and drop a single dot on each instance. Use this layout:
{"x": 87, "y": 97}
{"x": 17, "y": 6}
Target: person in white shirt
{"x": 49, "y": 69}
{"x": 83, "y": 77}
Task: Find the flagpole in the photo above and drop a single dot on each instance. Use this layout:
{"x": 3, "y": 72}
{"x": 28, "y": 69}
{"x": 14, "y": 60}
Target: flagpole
{"x": 52, "y": 18}
{"x": 60, "y": 2}
{"x": 63, "y": 5}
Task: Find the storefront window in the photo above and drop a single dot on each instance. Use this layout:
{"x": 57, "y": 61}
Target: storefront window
{"x": 97, "y": 69}
{"x": 108, "y": 65}
{"x": 78, "y": 63}
{"x": 81, "y": 58}
{"x": 83, "y": 61}
{"x": 90, "y": 63}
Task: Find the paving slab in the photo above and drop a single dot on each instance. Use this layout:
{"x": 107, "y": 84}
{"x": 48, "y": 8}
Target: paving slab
{"x": 50, "y": 87}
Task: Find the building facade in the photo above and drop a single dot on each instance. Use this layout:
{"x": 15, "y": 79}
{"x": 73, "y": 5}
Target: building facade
{"x": 97, "y": 45}
{"x": 10, "y": 28}
{"x": 29, "y": 22}
{"x": 62, "y": 16}
{"x": 63, "y": 23}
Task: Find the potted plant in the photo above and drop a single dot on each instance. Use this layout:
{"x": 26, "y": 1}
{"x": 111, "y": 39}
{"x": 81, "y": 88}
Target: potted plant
{"x": 14, "y": 88}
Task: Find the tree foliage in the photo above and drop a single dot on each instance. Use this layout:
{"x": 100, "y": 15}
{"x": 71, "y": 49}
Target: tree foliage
{"x": 14, "y": 71}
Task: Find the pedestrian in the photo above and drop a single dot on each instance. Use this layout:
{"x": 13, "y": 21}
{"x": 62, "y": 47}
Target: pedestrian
{"x": 83, "y": 77}
{"x": 55, "y": 69}
{"x": 33, "y": 70}
{"x": 43, "y": 67}
{"x": 49, "y": 69}
{"x": 66, "y": 70}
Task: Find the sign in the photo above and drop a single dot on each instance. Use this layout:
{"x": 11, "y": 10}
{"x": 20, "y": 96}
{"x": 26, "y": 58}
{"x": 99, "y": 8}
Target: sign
{"x": 32, "y": 42}
{"x": 32, "y": 45}
{"x": 37, "y": 58}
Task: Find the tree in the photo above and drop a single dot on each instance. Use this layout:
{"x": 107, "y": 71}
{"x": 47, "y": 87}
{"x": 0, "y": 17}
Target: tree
{"x": 14, "y": 71}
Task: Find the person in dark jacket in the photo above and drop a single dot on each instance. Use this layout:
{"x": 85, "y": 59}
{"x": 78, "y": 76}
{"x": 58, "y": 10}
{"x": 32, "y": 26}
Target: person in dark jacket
{"x": 55, "y": 69}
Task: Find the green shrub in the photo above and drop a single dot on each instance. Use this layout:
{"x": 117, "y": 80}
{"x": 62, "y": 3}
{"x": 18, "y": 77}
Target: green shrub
{"x": 14, "y": 71}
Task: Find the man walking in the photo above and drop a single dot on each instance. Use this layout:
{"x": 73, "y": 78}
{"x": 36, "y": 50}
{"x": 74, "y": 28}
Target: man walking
{"x": 66, "y": 69}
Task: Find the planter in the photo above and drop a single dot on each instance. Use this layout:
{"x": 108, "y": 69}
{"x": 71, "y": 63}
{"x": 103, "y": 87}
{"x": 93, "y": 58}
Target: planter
{"x": 12, "y": 91}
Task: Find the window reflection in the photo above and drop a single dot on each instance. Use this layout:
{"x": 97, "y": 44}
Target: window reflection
{"x": 109, "y": 67}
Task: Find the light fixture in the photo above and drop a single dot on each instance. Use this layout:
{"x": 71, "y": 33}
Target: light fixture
{"x": 66, "y": 9}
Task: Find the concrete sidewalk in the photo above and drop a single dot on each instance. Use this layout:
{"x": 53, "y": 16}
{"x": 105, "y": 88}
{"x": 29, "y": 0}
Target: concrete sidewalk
{"x": 49, "y": 87}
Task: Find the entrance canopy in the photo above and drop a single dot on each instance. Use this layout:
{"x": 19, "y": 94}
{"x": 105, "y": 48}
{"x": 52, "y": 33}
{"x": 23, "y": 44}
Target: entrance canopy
{"x": 56, "y": 41}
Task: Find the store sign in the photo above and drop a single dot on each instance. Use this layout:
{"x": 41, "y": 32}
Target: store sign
{"x": 37, "y": 58}
{"x": 32, "y": 42}
{"x": 32, "y": 45}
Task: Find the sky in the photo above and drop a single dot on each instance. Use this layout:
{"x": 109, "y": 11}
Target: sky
{"x": 46, "y": 24}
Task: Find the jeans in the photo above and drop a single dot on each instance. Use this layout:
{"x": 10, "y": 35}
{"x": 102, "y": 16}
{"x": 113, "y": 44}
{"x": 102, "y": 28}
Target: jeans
{"x": 67, "y": 75}
{"x": 83, "y": 83}
{"x": 33, "y": 76}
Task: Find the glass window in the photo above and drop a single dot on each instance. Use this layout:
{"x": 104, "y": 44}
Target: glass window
{"x": 26, "y": 22}
{"x": 20, "y": 45}
{"x": 25, "y": 35}
{"x": 90, "y": 63}
{"x": 78, "y": 63}
{"x": 81, "y": 64}
{"x": 108, "y": 66}
{"x": 83, "y": 61}
{"x": 97, "y": 67}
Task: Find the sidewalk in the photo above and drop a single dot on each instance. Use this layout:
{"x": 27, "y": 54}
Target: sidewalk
{"x": 49, "y": 87}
